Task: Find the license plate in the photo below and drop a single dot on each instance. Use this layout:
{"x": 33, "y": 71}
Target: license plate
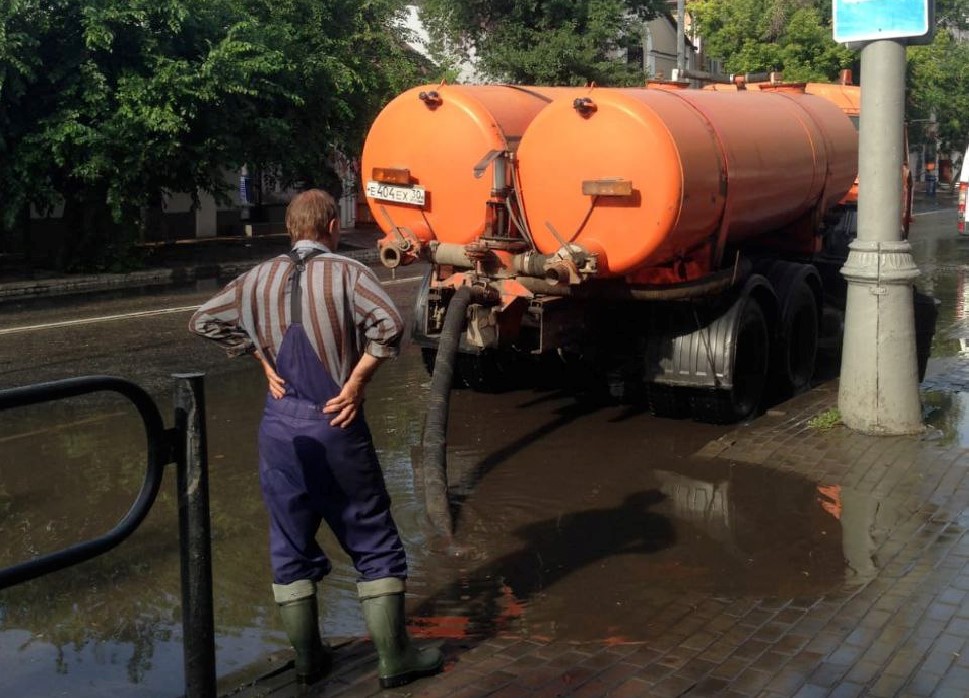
{"x": 398, "y": 194}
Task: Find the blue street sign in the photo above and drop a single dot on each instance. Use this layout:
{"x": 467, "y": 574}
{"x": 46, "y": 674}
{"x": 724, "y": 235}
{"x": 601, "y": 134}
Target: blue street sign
{"x": 872, "y": 20}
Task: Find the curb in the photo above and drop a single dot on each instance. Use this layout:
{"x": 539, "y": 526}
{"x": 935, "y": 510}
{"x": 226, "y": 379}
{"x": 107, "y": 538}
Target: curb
{"x": 92, "y": 283}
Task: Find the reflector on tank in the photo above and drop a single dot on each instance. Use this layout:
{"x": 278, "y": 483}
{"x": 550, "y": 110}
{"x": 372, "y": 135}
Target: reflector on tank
{"x": 607, "y": 187}
{"x": 391, "y": 175}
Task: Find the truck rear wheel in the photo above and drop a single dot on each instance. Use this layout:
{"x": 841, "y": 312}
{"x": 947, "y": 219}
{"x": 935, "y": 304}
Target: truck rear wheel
{"x": 487, "y": 372}
{"x": 668, "y": 401}
{"x": 800, "y": 331}
{"x": 751, "y": 363}
{"x": 429, "y": 356}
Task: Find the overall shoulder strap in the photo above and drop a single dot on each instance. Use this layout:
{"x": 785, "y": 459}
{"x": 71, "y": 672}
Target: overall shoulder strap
{"x": 296, "y": 290}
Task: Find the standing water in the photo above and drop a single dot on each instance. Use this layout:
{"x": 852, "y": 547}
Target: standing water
{"x": 576, "y": 521}
{"x": 113, "y": 625}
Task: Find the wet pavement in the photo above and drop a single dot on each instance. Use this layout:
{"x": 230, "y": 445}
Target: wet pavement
{"x": 165, "y": 264}
{"x": 598, "y": 550}
{"x": 767, "y": 559}
{"x": 780, "y": 561}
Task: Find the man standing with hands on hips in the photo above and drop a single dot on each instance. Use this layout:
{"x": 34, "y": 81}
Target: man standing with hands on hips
{"x": 321, "y": 325}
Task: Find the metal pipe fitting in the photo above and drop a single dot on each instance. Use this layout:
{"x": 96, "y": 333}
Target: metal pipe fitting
{"x": 559, "y": 271}
{"x": 449, "y": 254}
{"x": 390, "y": 256}
{"x": 616, "y": 290}
{"x": 530, "y": 264}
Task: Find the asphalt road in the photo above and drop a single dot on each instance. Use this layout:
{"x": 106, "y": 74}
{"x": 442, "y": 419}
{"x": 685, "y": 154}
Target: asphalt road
{"x": 140, "y": 335}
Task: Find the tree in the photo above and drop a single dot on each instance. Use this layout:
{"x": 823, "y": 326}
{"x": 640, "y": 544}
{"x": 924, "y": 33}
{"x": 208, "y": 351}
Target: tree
{"x": 938, "y": 77}
{"x": 791, "y": 36}
{"x": 104, "y": 104}
{"x": 555, "y": 42}
{"x": 952, "y": 15}
{"x": 795, "y": 37}
{"x": 347, "y": 58}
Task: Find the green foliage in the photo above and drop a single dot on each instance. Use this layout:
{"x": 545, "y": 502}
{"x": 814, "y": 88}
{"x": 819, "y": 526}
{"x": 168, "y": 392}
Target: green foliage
{"x": 794, "y": 36}
{"x": 938, "y": 85}
{"x": 826, "y": 420}
{"x": 791, "y": 36}
{"x": 104, "y": 104}
{"x": 952, "y": 14}
{"x": 347, "y": 59}
{"x": 559, "y": 42}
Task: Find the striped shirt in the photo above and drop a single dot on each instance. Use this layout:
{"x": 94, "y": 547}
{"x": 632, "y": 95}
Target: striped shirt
{"x": 345, "y": 311}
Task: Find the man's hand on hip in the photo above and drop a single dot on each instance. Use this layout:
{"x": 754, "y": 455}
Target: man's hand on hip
{"x": 277, "y": 386}
{"x": 345, "y": 406}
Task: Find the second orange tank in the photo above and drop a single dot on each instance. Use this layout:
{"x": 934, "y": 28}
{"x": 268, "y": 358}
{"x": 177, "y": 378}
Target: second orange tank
{"x": 642, "y": 177}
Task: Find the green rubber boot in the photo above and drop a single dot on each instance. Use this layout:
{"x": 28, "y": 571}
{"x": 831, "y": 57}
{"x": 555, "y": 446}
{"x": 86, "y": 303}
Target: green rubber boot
{"x": 400, "y": 662}
{"x": 300, "y": 615}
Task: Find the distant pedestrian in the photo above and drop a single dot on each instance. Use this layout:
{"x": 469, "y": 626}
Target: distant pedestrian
{"x": 931, "y": 180}
{"x": 321, "y": 324}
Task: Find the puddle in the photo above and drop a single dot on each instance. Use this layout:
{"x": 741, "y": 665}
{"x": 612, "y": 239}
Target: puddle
{"x": 946, "y": 415}
{"x": 595, "y": 529}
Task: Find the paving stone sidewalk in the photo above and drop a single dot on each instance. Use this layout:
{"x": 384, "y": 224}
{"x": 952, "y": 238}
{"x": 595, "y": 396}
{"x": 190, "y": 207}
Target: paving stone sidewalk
{"x": 898, "y": 627}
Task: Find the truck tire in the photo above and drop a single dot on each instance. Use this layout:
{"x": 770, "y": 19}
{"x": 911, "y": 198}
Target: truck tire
{"x": 751, "y": 364}
{"x": 487, "y": 372}
{"x": 799, "y": 327}
{"x": 667, "y": 401}
{"x": 428, "y": 356}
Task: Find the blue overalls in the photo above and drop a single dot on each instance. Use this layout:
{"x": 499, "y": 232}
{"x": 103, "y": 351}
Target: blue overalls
{"x": 312, "y": 472}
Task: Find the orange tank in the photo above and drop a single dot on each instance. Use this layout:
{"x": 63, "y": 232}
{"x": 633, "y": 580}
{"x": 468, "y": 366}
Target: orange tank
{"x": 847, "y": 97}
{"x": 439, "y": 133}
{"x": 702, "y": 169}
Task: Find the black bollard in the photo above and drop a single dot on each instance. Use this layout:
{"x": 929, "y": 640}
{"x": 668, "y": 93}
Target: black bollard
{"x": 195, "y": 544}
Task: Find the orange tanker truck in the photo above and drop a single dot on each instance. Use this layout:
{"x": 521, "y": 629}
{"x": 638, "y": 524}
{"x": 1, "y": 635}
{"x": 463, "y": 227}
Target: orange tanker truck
{"x": 668, "y": 243}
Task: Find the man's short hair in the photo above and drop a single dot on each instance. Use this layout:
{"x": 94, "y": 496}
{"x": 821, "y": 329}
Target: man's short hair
{"x": 309, "y": 215}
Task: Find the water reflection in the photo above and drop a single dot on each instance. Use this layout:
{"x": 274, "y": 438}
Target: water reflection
{"x": 577, "y": 522}
{"x": 947, "y": 414}
{"x": 599, "y": 528}
{"x": 944, "y": 263}
{"x": 114, "y": 620}
{"x": 70, "y": 471}
{"x": 865, "y": 521}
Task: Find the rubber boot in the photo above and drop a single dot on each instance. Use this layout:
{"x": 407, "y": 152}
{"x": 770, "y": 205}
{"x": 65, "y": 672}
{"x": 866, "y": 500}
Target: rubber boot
{"x": 300, "y": 615}
{"x": 400, "y": 662}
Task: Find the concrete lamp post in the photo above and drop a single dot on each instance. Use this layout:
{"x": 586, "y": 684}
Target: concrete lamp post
{"x": 879, "y": 370}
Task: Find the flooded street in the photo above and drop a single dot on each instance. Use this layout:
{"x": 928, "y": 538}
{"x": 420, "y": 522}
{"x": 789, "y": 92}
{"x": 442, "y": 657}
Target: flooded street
{"x": 576, "y": 521}
{"x": 583, "y": 525}
{"x": 943, "y": 259}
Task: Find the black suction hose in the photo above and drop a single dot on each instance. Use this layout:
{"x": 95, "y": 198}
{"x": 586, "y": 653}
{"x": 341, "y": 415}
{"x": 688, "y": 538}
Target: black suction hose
{"x": 434, "y": 441}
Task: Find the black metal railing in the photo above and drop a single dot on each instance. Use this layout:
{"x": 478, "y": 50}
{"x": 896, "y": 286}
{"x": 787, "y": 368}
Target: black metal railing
{"x": 185, "y": 445}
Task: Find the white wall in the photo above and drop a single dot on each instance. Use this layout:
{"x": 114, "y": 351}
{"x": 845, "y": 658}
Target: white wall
{"x": 660, "y": 48}
{"x": 420, "y": 42}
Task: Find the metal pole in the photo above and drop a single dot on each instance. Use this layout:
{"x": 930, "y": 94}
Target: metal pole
{"x": 680, "y": 36}
{"x": 198, "y": 625}
{"x": 879, "y": 373}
